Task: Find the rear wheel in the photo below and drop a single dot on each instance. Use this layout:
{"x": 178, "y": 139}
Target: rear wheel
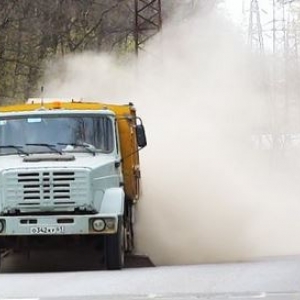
{"x": 114, "y": 248}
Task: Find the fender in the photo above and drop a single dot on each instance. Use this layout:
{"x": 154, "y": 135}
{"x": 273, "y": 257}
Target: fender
{"x": 113, "y": 201}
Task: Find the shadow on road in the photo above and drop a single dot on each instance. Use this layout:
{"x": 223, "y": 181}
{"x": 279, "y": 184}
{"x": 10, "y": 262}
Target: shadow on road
{"x": 66, "y": 260}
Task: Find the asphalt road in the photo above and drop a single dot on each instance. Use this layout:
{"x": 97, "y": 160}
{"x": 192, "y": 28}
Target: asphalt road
{"x": 274, "y": 279}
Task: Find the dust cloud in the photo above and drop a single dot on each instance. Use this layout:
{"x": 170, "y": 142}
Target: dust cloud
{"x": 208, "y": 195}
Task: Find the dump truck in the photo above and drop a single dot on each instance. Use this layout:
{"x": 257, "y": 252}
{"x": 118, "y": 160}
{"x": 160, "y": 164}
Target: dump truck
{"x": 69, "y": 172}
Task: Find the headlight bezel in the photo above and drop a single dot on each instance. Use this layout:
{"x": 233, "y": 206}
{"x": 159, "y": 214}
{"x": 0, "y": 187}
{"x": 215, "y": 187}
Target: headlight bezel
{"x": 2, "y": 226}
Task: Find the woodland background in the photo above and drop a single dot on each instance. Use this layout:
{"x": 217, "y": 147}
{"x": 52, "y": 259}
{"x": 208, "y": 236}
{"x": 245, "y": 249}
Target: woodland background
{"x": 32, "y": 32}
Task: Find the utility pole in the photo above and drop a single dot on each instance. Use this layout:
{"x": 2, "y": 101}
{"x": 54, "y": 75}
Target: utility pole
{"x": 255, "y": 32}
{"x": 286, "y": 62}
{"x": 277, "y": 77}
{"x": 292, "y": 76}
{"x": 285, "y": 70}
{"x": 148, "y": 21}
{"x": 278, "y": 27}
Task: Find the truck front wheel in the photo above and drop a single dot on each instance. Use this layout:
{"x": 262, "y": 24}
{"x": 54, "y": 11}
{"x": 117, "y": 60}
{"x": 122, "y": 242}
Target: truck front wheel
{"x": 114, "y": 248}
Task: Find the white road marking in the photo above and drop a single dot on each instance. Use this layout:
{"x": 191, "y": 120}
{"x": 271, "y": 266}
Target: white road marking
{"x": 19, "y": 298}
{"x": 257, "y": 296}
{"x": 261, "y": 295}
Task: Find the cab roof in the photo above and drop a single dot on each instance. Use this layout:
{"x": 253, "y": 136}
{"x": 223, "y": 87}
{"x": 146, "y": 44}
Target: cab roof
{"x": 42, "y": 106}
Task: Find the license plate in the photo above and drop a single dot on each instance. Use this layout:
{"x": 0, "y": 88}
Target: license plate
{"x": 47, "y": 230}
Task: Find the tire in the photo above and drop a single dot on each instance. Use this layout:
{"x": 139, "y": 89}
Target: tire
{"x": 114, "y": 248}
{"x": 129, "y": 234}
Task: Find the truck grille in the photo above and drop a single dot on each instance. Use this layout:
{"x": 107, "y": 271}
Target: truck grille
{"x": 53, "y": 188}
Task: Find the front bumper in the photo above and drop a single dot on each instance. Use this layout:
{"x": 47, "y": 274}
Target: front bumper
{"x": 56, "y": 225}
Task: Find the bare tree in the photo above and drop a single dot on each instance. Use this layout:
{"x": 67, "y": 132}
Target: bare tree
{"x": 32, "y": 31}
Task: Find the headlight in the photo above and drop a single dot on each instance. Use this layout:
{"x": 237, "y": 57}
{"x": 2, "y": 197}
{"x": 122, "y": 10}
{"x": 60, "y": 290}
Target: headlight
{"x": 110, "y": 223}
{"x": 98, "y": 224}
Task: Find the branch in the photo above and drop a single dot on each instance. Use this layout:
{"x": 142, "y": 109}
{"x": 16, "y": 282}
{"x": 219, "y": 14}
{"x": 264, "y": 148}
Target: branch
{"x": 97, "y": 24}
{"x": 21, "y": 62}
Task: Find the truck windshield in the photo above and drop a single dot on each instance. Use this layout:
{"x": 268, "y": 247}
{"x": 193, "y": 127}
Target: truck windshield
{"x": 74, "y": 134}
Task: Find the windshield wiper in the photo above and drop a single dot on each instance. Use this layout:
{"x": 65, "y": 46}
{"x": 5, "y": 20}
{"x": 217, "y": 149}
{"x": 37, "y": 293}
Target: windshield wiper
{"x": 18, "y": 148}
{"x": 49, "y": 146}
{"x": 86, "y": 146}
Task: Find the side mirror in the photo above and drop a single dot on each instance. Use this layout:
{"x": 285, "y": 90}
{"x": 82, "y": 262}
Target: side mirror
{"x": 141, "y": 136}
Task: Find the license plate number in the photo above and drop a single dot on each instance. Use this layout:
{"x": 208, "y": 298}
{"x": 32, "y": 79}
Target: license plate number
{"x": 47, "y": 230}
